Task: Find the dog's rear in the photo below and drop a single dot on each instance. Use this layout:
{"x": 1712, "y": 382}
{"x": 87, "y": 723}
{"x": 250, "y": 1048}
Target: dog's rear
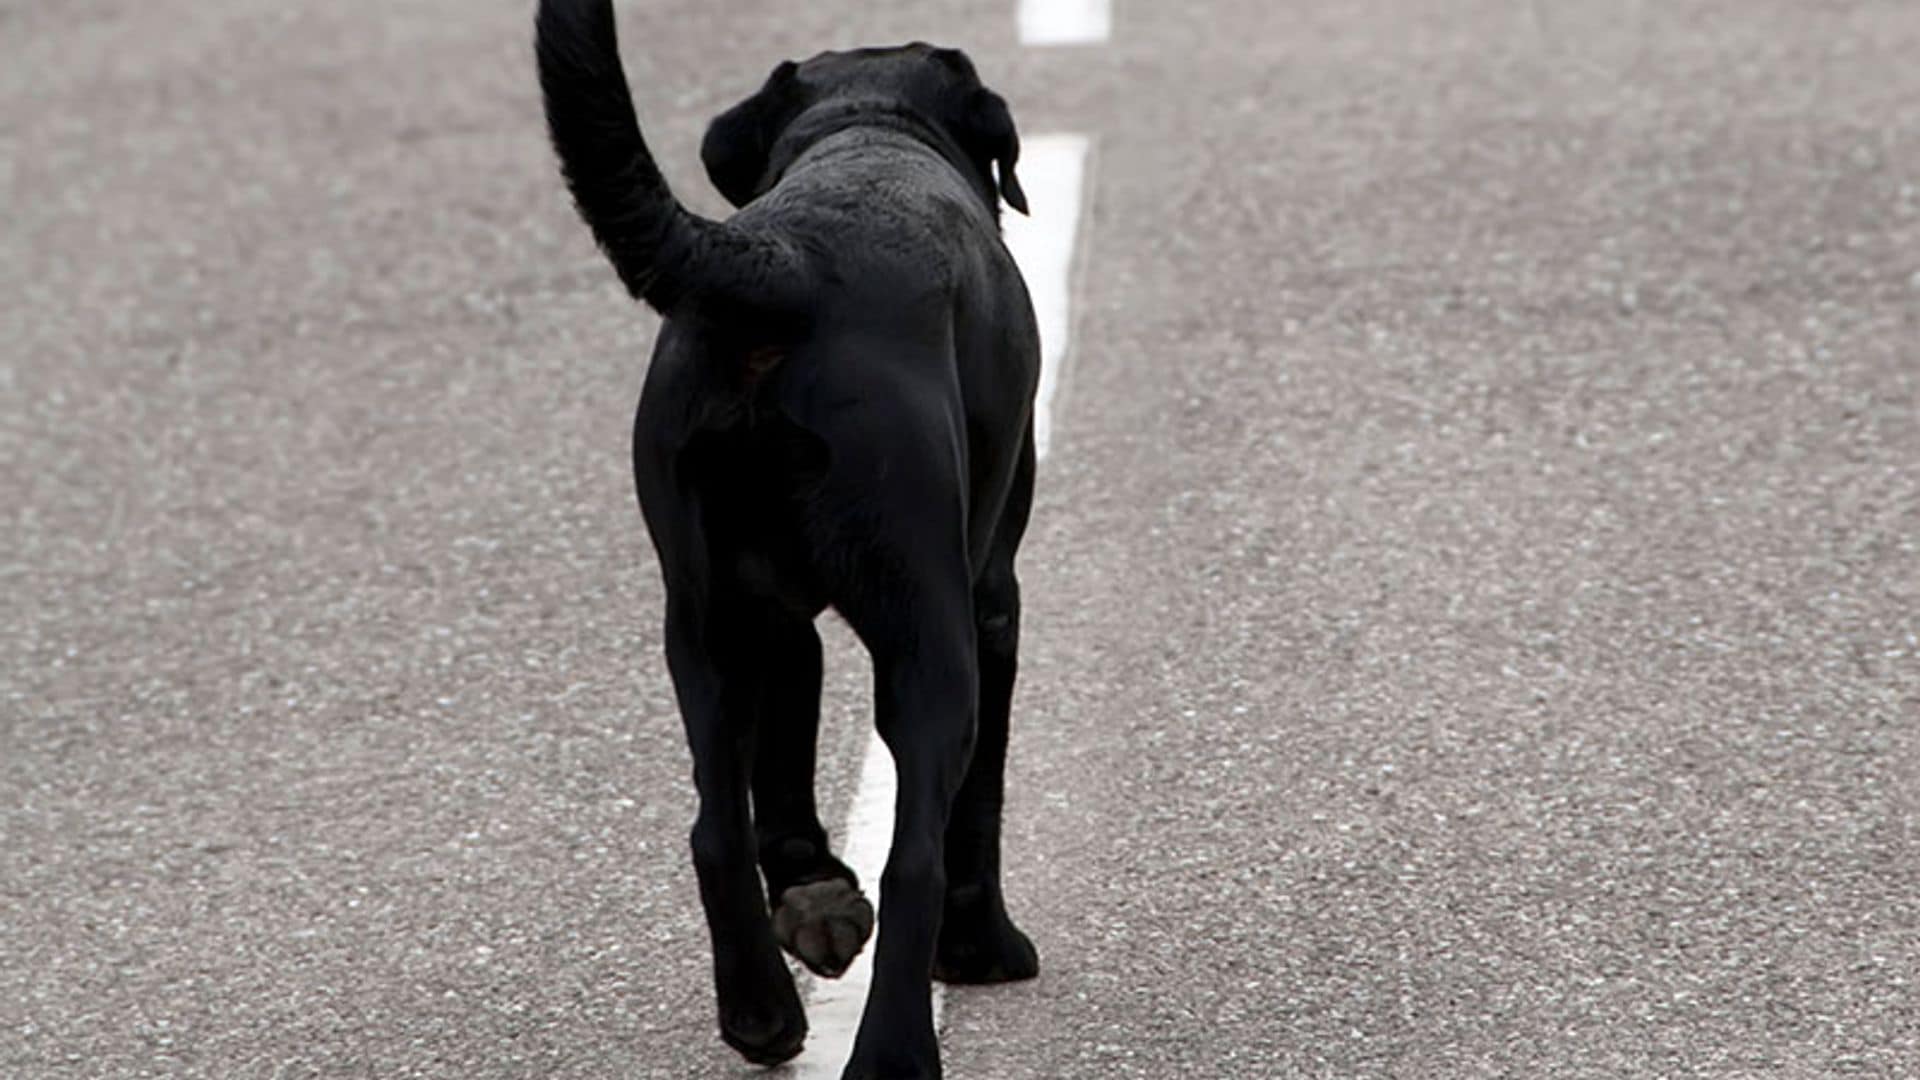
{"x": 838, "y": 413}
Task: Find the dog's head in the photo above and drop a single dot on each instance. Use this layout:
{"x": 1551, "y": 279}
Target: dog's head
{"x": 937, "y": 87}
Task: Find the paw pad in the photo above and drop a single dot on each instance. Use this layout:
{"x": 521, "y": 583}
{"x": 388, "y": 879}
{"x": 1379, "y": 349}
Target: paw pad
{"x": 823, "y": 924}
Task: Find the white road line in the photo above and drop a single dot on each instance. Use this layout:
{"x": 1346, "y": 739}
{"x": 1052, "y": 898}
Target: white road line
{"x": 1065, "y": 22}
{"x": 1053, "y": 172}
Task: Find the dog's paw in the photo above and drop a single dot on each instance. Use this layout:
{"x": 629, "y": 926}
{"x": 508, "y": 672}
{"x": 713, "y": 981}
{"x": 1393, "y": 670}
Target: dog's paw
{"x": 856, "y": 1070}
{"x": 824, "y": 924}
{"x": 765, "y": 1036}
{"x": 899, "y": 1056}
{"x": 760, "y": 1012}
{"x": 983, "y": 946}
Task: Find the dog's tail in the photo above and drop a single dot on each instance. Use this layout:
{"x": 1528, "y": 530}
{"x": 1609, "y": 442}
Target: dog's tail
{"x": 664, "y": 253}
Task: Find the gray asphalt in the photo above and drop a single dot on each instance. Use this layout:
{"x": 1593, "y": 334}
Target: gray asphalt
{"x": 1471, "y": 605}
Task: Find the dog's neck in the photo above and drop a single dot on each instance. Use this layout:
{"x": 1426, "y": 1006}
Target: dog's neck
{"x": 831, "y": 118}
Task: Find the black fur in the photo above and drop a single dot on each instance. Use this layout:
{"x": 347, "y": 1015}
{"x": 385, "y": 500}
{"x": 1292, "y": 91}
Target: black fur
{"x": 662, "y": 252}
{"x": 838, "y": 414}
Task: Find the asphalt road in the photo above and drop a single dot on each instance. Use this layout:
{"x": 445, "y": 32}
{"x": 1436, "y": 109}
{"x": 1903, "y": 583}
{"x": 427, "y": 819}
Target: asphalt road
{"x": 1471, "y": 605}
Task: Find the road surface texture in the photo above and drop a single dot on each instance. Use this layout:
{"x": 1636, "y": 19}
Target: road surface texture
{"x": 1471, "y": 606}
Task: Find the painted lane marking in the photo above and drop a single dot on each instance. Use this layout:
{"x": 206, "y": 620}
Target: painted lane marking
{"x": 1065, "y": 22}
{"x": 1053, "y": 172}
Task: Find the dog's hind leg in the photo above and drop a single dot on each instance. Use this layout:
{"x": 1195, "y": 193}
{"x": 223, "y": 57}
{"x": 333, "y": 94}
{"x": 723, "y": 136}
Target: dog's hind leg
{"x": 712, "y": 653}
{"x": 978, "y": 942}
{"x": 925, "y": 685}
{"x": 819, "y": 913}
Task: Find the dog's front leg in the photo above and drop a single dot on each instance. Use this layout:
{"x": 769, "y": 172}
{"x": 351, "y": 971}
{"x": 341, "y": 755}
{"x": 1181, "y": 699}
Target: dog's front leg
{"x": 926, "y": 681}
{"x": 760, "y": 1011}
{"x": 978, "y": 941}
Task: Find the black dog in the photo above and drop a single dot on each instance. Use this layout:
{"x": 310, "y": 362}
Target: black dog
{"x": 838, "y": 414}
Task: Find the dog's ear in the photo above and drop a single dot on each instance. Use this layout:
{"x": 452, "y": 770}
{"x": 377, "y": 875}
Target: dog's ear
{"x": 738, "y": 142}
{"x": 990, "y": 137}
